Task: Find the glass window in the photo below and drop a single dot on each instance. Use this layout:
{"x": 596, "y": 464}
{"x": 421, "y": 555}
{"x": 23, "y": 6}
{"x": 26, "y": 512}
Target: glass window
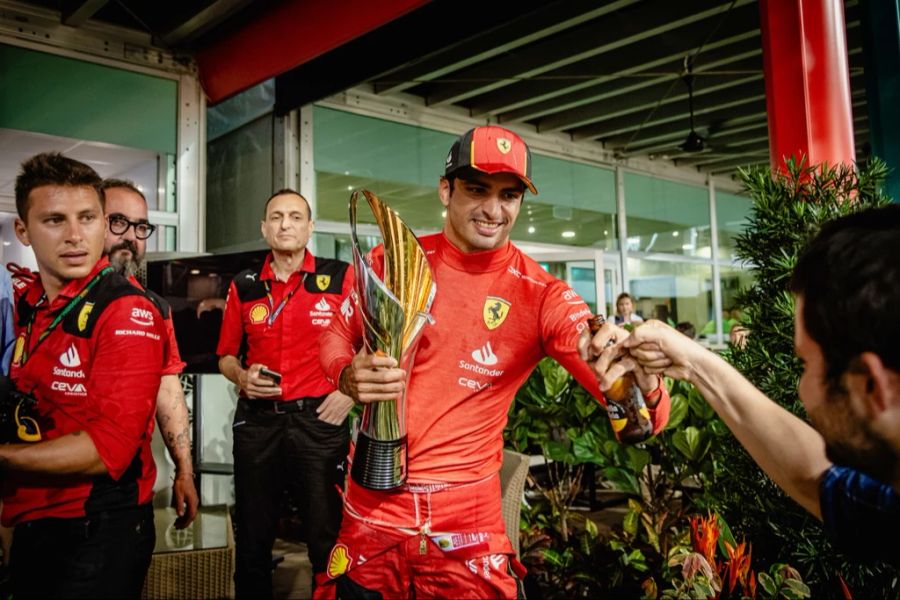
{"x": 402, "y": 165}
{"x": 665, "y": 216}
{"x": 732, "y": 216}
{"x": 674, "y": 292}
{"x": 238, "y": 181}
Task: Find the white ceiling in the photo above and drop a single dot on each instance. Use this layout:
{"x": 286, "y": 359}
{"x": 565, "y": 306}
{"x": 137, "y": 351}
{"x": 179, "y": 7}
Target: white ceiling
{"x": 107, "y": 159}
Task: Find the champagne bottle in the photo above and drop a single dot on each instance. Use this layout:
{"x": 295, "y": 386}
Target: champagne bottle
{"x": 625, "y": 406}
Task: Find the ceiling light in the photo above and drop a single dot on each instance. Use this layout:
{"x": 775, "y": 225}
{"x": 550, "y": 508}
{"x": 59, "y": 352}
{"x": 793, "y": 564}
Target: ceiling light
{"x": 6, "y": 243}
{"x": 605, "y": 232}
{"x": 674, "y": 234}
{"x": 530, "y": 230}
{"x": 443, "y": 214}
{"x": 349, "y": 188}
{"x": 568, "y": 234}
{"x": 195, "y": 271}
{"x": 687, "y": 247}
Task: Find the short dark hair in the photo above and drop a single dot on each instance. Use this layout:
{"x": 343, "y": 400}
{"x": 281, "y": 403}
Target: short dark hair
{"x": 52, "y": 168}
{"x": 122, "y": 183}
{"x": 624, "y": 295}
{"x": 288, "y": 191}
{"x": 849, "y": 279}
{"x": 470, "y": 174}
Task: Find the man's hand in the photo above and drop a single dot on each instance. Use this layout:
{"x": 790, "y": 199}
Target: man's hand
{"x": 335, "y": 407}
{"x": 611, "y": 359}
{"x": 184, "y": 499}
{"x": 372, "y": 378}
{"x": 257, "y": 386}
{"x": 661, "y": 349}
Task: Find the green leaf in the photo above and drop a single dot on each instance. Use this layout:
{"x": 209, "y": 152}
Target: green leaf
{"x": 678, "y": 411}
{"x": 767, "y": 583}
{"x": 692, "y": 443}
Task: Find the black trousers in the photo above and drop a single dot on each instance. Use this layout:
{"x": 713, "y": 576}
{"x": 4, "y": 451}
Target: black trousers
{"x": 102, "y": 556}
{"x": 274, "y": 452}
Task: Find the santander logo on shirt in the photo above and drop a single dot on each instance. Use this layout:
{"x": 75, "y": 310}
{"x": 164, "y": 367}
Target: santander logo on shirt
{"x": 485, "y": 357}
{"x": 70, "y": 362}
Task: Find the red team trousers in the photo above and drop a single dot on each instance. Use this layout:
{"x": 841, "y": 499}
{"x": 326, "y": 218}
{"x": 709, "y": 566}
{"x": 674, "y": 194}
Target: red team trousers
{"x": 440, "y": 540}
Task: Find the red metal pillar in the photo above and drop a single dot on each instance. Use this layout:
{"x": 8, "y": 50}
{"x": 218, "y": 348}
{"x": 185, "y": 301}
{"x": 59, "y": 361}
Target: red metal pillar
{"x": 807, "y": 81}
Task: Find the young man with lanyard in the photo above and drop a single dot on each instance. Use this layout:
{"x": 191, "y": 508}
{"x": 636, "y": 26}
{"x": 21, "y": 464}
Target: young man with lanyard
{"x": 497, "y": 313}
{"x": 89, "y": 350}
{"x": 128, "y": 228}
{"x": 289, "y": 425}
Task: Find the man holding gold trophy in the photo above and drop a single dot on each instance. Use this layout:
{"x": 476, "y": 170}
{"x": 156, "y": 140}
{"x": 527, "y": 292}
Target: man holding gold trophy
{"x": 423, "y": 513}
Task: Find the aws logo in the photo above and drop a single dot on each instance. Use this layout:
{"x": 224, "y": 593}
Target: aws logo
{"x": 142, "y": 316}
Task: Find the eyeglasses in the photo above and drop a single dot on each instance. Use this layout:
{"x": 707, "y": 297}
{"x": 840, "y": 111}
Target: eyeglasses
{"x": 118, "y": 225}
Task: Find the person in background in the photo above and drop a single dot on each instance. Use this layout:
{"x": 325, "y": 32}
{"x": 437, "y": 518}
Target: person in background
{"x": 687, "y": 328}
{"x": 128, "y": 228}
{"x": 845, "y": 468}
{"x": 496, "y": 313}
{"x": 89, "y": 355}
{"x": 625, "y": 314}
{"x": 290, "y": 423}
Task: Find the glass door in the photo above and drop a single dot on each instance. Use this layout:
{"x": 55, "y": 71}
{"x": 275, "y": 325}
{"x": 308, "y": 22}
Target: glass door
{"x": 586, "y": 272}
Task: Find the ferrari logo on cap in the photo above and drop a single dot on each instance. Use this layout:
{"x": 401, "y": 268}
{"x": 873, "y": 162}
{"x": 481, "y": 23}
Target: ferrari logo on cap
{"x": 504, "y": 145}
{"x": 322, "y": 281}
{"x": 495, "y": 311}
{"x": 339, "y": 561}
{"x": 259, "y": 313}
{"x": 84, "y": 314}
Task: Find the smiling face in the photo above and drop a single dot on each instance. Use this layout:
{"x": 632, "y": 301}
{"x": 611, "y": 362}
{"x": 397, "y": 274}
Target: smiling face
{"x": 481, "y": 209}
{"x": 287, "y": 226}
{"x": 65, "y": 228}
{"x": 849, "y": 437}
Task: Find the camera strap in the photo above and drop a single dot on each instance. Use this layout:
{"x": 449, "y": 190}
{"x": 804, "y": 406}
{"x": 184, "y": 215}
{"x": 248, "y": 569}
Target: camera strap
{"x": 26, "y": 353}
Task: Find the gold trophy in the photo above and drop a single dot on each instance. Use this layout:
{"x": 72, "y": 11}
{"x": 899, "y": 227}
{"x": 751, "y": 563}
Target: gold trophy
{"x": 394, "y": 312}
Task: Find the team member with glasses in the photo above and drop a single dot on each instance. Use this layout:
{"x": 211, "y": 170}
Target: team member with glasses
{"x": 90, "y": 350}
{"x": 127, "y": 231}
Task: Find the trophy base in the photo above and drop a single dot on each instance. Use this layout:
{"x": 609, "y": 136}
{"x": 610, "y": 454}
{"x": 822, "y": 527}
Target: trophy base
{"x": 377, "y": 464}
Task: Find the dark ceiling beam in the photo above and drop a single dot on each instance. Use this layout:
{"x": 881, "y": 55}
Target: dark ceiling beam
{"x": 665, "y": 55}
{"x": 550, "y": 19}
{"x": 731, "y": 166}
{"x": 667, "y": 142}
{"x": 620, "y": 29}
{"x": 202, "y": 22}
{"x": 422, "y": 32}
{"x": 717, "y": 155}
{"x": 616, "y": 92}
{"x": 707, "y": 90}
{"x": 76, "y": 13}
{"x": 674, "y": 132}
{"x": 704, "y": 113}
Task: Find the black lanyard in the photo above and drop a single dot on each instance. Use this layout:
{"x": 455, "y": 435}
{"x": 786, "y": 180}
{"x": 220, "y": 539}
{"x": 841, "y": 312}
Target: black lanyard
{"x": 284, "y": 301}
{"x": 59, "y": 317}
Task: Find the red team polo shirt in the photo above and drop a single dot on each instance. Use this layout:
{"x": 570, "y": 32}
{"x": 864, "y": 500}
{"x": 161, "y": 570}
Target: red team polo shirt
{"x": 174, "y": 365}
{"x": 496, "y": 314}
{"x": 97, "y": 373}
{"x": 289, "y": 344}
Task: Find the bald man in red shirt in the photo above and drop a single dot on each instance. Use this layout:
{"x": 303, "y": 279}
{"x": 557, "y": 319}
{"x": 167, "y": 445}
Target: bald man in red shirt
{"x": 496, "y": 314}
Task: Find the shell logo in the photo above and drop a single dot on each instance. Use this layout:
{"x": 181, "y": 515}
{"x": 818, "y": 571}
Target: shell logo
{"x": 259, "y": 313}
{"x": 339, "y": 561}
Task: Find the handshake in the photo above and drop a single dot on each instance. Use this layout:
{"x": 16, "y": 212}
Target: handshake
{"x": 651, "y": 349}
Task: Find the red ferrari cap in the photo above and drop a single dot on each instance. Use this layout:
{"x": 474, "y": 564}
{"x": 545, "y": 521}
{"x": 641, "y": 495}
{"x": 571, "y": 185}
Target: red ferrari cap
{"x": 491, "y": 149}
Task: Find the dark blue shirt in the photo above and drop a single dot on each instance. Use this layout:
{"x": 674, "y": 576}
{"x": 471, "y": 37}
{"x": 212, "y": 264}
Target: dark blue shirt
{"x": 861, "y": 514}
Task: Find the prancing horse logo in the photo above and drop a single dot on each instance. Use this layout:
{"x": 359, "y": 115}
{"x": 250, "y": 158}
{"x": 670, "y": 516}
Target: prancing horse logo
{"x": 495, "y": 311}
